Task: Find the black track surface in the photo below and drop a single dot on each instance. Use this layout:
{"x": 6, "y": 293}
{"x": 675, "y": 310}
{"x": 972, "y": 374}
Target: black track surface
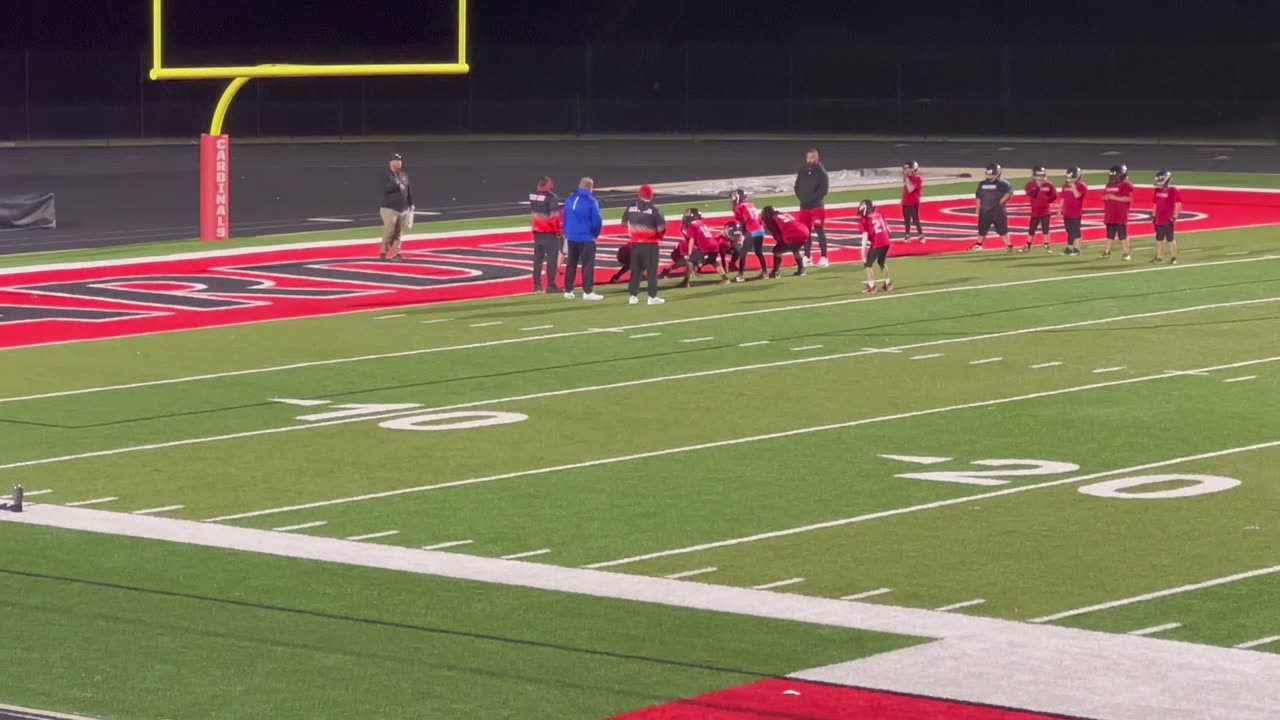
{"x": 119, "y": 195}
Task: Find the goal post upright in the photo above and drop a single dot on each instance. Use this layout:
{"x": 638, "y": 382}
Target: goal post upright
{"x": 215, "y": 145}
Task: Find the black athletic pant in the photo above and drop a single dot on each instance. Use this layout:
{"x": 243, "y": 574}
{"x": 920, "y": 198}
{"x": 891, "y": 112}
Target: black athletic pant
{"x": 911, "y": 214}
{"x": 581, "y": 253}
{"x": 821, "y": 232}
{"x": 546, "y": 249}
{"x": 644, "y": 259}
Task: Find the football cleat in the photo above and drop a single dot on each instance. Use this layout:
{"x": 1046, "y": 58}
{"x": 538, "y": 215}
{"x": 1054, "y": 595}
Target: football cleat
{"x": 824, "y": 262}
{"x": 869, "y": 290}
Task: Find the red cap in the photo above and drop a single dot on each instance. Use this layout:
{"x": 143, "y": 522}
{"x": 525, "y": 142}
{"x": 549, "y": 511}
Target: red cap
{"x": 646, "y": 192}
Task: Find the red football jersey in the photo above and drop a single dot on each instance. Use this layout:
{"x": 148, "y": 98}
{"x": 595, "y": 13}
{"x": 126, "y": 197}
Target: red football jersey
{"x": 876, "y": 228}
{"x": 911, "y": 197}
{"x": 1167, "y": 199}
{"x": 705, "y": 241}
{"x": 790, "y": 230}
{"x": 1117, "y": 213}
{"x": 748, "y": 216}
{"x": 1073, "y": 207}
{"x": 1042, "y": 197}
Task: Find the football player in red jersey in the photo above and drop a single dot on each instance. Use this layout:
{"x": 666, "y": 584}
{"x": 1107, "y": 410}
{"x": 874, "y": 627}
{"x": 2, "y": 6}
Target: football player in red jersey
{"x": 1116, "y": 200}
{"x": 1043, "y": 195}
{"x": 748, "y": 218}
{"x": 789, "y": 235}
{"x": 1073, "y": 194}
{"x": 912, "y": 184}
{"x": 875, "y": 245}
{"x": 1166, "y": 208}
{"x": 704, "y": 246}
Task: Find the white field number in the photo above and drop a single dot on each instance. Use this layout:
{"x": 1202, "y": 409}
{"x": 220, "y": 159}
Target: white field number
{"x": 1125, "y": 488}
{"x": 462, "y": 420}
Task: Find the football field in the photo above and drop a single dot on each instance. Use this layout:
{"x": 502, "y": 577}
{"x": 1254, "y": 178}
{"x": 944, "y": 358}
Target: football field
{"x": 473, "y": 508}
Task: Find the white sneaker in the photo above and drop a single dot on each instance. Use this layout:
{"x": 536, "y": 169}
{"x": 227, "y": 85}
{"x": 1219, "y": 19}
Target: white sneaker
{"x": 635, "y": 300}
{"x": 569, "y": 295}
{"x": 593, "y": 296}
{"x": 1127, "y": 258}
{"x": 656, "y": 301}
{"x": 824, "y": 262}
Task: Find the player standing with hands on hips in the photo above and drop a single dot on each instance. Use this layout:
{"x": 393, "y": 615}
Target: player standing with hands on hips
{"x": 397, "y": 207}
{"x": 912, "y": 184}
{"x": 1043, "y": 195}
{"x": 1116, "y": 200}
{"x": 1167, "y": 206}
{"x": 992, "y": 200}
{"x": 811, "y": 189}
{"x": 1073, "y": 194}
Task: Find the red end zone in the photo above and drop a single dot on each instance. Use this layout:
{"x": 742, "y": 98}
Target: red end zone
{"x": 795, "y": 700}
{"x": 78, "y": 303}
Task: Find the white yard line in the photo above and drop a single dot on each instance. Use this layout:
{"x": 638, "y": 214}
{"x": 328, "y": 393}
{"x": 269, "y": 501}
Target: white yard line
{"x": 778, "y": 584}
{"x": 553, "y": 336}
{"x": 491, "y": 323}
{"x": 1240, "y": 379}
{"x": 644, "y": 335}
{"x": 301, "y": 526}
{"x": 1045, "y": 365}
{"x": 691, "y": 573}
{"x": 451, "y": 543}
{"x": 389, "y": 317}
{"x": 627, "y": 383}
{"x": 929, "y": 356}
{"x": 928, "y": 506}
{"x": 698, "y": 339}
{"x": 530, "y": 553}
{"x": 373, "y": 536}
{"x": 1155, "y": 629}
{"x": 985, "y": 361}
{"x": 867, "y": 594}
{"x": 724, "y": 443}
{"x": 153, "y": 511}
{"x": 756, "y": 343}
{"x": 537, "y": 327}
{"x": 95, "y": 501}
{"x": 1100, "y": 371}
{"x": 1258, "y": 643}
{"x": 806, "y": 347}
{"x": 959, "y": 605}
{"x": 1163, "y": 593}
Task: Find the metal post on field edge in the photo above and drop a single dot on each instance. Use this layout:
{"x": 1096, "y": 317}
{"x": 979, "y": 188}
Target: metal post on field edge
{"x": 16, "y": 504}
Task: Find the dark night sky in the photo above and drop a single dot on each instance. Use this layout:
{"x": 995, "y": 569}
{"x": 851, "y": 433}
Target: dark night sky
{"x": 123, "y": 23}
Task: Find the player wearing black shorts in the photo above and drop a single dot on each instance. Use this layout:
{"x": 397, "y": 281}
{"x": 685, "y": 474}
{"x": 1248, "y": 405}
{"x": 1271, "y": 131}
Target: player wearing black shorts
{"x": 992, "y": 199}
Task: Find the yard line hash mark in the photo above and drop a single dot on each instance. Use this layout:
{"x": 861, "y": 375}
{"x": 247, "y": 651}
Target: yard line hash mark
{"x": 390, "y": 317}
{"x": 930, "y": 356}
{"x": 806, "y": 347}
{"x": 1257, "y": 643}
{"x": 302, "y": 526}
{"x": 1240, "y": 379}
{"x": 330, "y": 220}
{"x": 433, "y": 322}
{"x": 1171, "y": 591}
{"x": 778, "y": 584}
{"x": 537, "y": 327}
{"x": 697, "y": 339}
{"x": 690, "y": 573}
{"x": 531, "y": 553}
{"x": 95, "y": 501}
{"x": 451, "y": 543}
{"x": 662, "y": 323}
{"x": 645, "y": 335}
{"x": 1233, "y": 254}
{"x": 959, "y": 605}
{"x": 757, "y": 343}
{"x": 1045, "y": 365}
{"x": 372, "y": 536}
{"x": 487, "y": 324}
{"x": 1100, "y": 371}
{"x": 867, "y": 594}
{"x": 1155, "y": 629}
{"x": 155, "y": 510}
{"x": 985, "y": 361}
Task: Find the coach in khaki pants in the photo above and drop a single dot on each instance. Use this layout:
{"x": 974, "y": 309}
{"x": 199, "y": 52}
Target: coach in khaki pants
{"x": 397, "y": 207}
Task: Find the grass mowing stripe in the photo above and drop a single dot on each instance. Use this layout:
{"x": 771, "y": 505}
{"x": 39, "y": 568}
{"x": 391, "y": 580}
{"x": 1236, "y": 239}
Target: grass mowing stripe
{"x": 720, "y": 443}
{"x": 934, "y": 505}
{"x": 553, "y": 336}
{"x": 1161, "y": 593}
{"x": 628, "y": 383}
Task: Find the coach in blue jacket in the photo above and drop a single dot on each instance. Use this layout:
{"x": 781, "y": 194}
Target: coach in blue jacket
{"x": 582, "y": 223}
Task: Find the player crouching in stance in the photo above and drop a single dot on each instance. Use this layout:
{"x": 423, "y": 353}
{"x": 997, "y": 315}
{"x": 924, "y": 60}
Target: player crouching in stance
{"x": 1043, "y": 195}
{"x": 1167, "y": 206}
{"x": 789, "y": 235}
{"x": 875, "y": 245}
{"x": 704, "y": 248}
{"x": 748, "y": 218}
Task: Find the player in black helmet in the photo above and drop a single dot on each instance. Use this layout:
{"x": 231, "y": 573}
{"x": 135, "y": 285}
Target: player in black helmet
{"x": 992, "y": 199}
{"x": 912, "y": 184}
{"x": 1117, "y": 198}
{"x": 1073, "y": 193}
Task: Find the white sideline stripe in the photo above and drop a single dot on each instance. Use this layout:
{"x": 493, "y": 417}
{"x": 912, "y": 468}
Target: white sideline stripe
{"x": 929, "y": 506}
{"x": 697, "y": 339}
{"x": 926, "y": 357}
{"x": 984, "y": 362}
{"x": 372, "y": 536}
{"x": 491, "y": 323}
{"x": 390, "y": 317}
{"x": 778, "y": 584}
{"x": 959, "y": 605}
{"x": 806, "y": 347}
{"x": 614, "y": 386}
{"x": 537, "y": 327}
{"x": 433, "y": 322}
{"x": 1240, "y": 379}
{"x": 153, "y": 511}
{"x": 1164, "y": 593}
{"x": 531, "y": 553}
{"x": 553, "y": 336}
{"x": 1258, "y": 642}
{"x": 332, "y": 220}
{"x": 690, "y": 573}
{"x": 303, "y": 526}
{"x": 1099, "y": 371}
{"x": 867, "y": 594}
{"x": 1045, "y": 365}
{"x": 644, "y": 335}
{"x": 704, "y": 446}
{"x": 757, "y": 343}
{"x": 95, "y": 501}
{"x": 451, "y": 543}
{"x": 1155, "y": 629}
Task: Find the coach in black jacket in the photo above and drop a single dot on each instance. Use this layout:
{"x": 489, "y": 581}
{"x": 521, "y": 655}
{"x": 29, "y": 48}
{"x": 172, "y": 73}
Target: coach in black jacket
{"x": 811, "y": 189}
{"x": 397, "y": 204}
